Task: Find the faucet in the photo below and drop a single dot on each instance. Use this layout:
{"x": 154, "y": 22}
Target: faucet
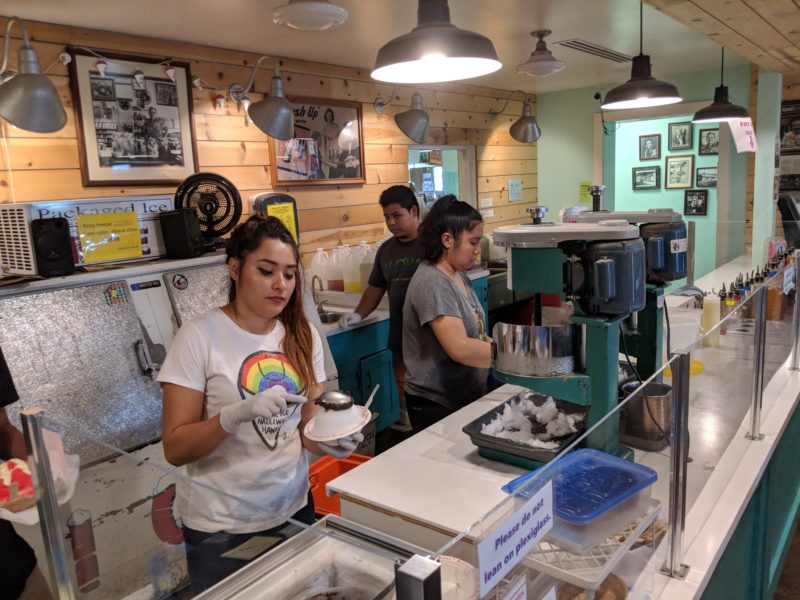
{"x": 317, "y": 303}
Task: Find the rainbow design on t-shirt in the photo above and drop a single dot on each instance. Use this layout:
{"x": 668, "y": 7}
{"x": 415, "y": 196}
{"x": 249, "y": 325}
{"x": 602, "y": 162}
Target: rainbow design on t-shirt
{"x": 263, "y": 370}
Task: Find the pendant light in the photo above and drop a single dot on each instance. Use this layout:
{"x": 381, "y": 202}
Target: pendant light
{"x": 29, "y": 99}
{"x": 310, "y": 15}
{"x": 541, "y": 61}
{"x": 642, "y": 89}
{"x": 414, "y": 122}
{"x": 273, "y": 115}
{"x": 435, "y": 50}
{"x": 721, "y": 109}
{"x": 525, "y": 129}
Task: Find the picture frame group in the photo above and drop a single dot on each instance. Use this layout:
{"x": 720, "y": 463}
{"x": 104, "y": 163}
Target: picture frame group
{"x": 695, "y": 202}
{"x": 135, "y": 124}
{"x": 647, "y": 178}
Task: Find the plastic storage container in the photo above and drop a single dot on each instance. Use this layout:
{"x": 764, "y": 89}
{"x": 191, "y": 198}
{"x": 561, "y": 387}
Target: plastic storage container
{"x": 588, "y": 483}
{"x": 319, "y": 267}
{"x": 324, "y": 471}
{"x": 335, "y": 269}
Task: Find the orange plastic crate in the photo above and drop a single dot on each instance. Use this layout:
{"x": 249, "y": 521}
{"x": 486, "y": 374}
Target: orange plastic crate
{"x": 324, "y": 471}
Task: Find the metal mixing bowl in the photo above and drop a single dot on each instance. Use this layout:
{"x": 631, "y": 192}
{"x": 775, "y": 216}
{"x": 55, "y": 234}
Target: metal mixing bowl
{"x": 536, "y": 351}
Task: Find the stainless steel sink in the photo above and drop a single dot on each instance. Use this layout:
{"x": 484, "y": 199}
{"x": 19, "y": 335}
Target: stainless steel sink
{"x": 328, "y": 316}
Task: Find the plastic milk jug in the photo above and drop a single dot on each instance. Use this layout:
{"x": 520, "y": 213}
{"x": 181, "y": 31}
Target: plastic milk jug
{"x": 319, "y": 267}
{"x": 336, "y": 270}
{"x": 352, "y": 269}
{"x": 366, "y": 266}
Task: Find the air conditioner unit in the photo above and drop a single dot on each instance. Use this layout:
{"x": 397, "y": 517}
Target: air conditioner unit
{"x": 17, "y": 255}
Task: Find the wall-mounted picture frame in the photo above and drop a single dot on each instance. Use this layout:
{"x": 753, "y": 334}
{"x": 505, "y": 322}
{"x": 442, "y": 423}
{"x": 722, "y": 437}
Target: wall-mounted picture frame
{"x": 327, "y": 148}
{"x": 134, "y": 124}
{"x": 647, "y": 178}
{"x": 695, "y": 202}
{"x": 680, "y": 135}
{"x": 708, "y": 142}
{"x": 706, "y": 177}
{"x": 650, "y": 146}
{"x": 678, "y": 171}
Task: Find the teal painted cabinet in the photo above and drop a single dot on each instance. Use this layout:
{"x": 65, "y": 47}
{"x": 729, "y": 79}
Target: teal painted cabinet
{"x": 363, "y": 361}
{"x": 481, "y": 287}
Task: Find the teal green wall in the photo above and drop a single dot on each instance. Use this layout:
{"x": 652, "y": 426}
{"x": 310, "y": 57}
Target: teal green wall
{"x": 565, "y": 156}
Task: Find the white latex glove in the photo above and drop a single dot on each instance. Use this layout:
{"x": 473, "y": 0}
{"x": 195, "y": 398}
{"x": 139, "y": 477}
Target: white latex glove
{"x": 343, "y": 447}
{"x": 269, "y": 403}
{"x": 348, "y": 320}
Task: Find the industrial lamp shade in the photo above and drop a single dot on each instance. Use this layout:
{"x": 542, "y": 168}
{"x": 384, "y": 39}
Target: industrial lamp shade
{"x": 413, "y": 123}
{"x": 525, "y": 129}
{"x": 435, "y": 50}
{"x": 274, "y": 115}
{"x": 641, "y": 90}
{"x": 721, "y": 109}
{"x": 30, "y": 100}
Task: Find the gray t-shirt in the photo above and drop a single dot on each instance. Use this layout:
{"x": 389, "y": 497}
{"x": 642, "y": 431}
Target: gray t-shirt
{"x": 430, "y": 372}
{"x": 395, "y": 264}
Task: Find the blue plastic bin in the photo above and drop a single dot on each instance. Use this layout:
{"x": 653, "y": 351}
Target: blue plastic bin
{"x": 588, "y": 483}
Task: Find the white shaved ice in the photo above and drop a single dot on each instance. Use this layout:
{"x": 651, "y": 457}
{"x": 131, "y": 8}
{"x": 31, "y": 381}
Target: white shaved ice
{"x": 516, "y": 422}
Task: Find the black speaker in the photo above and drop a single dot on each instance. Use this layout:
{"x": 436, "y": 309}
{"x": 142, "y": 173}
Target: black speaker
{"x": 53, "y": 247}
{"x": 181, "y": 231}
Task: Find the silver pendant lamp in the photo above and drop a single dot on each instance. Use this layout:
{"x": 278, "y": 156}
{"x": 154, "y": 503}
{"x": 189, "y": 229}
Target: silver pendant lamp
{"x": 414, "y": 122}
{"x": 721, "y": 109}
{"x": 29, "y": 99}
{"x": 435, "y": 50}
{"x": 642, "y": 90}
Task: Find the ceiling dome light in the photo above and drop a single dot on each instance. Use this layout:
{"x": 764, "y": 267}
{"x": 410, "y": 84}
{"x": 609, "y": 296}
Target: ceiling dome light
{"x": 308, "y": 15}
{"x": 435, "y": 50}
{"x": 642, "y": 90}
{"x": 721, "y": 109}
{"x": 541, "y": 61}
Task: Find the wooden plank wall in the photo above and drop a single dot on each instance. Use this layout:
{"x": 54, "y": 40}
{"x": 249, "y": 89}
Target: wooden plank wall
{"x": 46, "y": 167}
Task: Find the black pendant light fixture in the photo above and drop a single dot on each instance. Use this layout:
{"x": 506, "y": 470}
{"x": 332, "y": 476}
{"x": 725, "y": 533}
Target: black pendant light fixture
{"x": 642, "y": 89}
{"x": 435, "y": 50}
{"x": 721, "y": 109}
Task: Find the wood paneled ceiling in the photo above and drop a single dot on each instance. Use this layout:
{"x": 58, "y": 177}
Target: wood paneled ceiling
{"x": 765, "y": 32}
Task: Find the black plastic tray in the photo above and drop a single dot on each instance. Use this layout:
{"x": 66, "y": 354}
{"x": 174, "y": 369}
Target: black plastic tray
{"x": 540, "y": 455}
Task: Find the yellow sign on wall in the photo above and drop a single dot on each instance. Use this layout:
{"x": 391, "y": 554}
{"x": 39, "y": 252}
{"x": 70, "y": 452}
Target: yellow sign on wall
{"x": 584, "y": 196}
{"x": 285, "y": 212}
{"x": 109, "y": 236}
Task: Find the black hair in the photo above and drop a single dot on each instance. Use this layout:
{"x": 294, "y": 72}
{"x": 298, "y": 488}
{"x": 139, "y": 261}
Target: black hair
{"x": 447, "y": 215}
{"x": 399, "y": 194}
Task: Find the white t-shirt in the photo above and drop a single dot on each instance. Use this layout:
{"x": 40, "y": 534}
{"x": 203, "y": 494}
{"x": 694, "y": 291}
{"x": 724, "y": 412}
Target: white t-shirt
{"x": 262, "y": 462}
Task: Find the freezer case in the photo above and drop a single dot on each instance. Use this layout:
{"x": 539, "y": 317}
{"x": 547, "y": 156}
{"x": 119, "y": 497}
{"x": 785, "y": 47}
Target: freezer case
{"x": 333, "y": 558}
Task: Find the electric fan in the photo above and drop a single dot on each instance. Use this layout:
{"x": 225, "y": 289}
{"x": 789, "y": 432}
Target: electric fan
{"x": 216, "y": 202}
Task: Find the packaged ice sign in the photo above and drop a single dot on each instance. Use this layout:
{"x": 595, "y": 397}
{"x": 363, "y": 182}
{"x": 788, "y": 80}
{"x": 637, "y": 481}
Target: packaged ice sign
{"x": 744, "y": 136}
{"x": 503, "y": 548}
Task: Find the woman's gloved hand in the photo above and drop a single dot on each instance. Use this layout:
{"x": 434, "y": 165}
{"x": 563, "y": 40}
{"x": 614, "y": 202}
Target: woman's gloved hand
{"x": 343, "y": 447}
{"x": 269, "y": 403}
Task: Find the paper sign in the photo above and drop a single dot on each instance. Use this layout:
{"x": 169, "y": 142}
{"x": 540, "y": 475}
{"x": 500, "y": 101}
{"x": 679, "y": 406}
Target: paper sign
{"x": 514, "y": 189}
{"x": 486, "y": 202}
{"x": 508, "y": 544}
{"x": 108, "y": 237}
{"x": 518, "y": 589}
{"x": 788, "y": 279}
{"x": 584, "y": 196}
{"x": 487, "y": 213}
{"x": 744, "y": 136}
{"x": 284, "y": 212}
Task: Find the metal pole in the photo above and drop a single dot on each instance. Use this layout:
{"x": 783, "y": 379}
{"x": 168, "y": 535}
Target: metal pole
{"x": 795, "y": 362}
{"x": 690, "y": 253}
{"x": 679, "y": 458}
{"x": 759, "y": 347}
{"x": 46, "y": 503}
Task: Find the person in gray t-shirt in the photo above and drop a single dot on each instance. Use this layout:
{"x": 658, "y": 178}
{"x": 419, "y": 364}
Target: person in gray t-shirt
{"x": 445, "y": 347}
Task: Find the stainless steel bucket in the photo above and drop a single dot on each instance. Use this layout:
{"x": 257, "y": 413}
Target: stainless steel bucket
{"x": 635, "y": 417}
{"x": 536, "y": 351}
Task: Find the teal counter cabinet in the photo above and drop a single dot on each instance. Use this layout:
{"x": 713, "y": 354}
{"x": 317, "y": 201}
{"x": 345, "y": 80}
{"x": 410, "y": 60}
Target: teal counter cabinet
{"x": 363, "y": 360}
{"x": 481, "y": 287}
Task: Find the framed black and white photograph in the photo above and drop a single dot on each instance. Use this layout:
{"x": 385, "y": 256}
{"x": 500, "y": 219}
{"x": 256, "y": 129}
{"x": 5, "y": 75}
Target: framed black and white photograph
{"x": 327, "y": 146}
{"x": 790, "y": 128}
{"x": 678, "y": 171}
{"x": 695, "y": 202}
{"x": 680, "y": 135}
{"x": 708, "y": 144}
{"x": 706, "y": 177}
{"x": 650, "y": 146}
{"x": 135, "y": 123}
{"x": 647, "y": 178}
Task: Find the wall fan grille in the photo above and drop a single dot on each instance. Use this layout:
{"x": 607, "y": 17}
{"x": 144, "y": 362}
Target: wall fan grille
{"x": 16, "y": 245}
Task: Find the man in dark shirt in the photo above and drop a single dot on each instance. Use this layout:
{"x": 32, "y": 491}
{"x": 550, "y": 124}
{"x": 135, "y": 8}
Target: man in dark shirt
{"x": 19, "y": 577}
{"x": 395, "y": 263}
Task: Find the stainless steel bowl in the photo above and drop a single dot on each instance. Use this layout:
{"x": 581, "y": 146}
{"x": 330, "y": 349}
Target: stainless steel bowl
{"x": 533, "y": 351}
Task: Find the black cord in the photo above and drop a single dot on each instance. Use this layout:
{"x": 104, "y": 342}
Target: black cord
{"x": 669, "y": 328}
{"x": 664, "y": 436}
{"x": 641, "y": 26}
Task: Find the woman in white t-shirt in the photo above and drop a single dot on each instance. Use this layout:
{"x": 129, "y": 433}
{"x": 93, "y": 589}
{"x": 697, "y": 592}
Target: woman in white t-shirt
{"x": 235, "y": 386}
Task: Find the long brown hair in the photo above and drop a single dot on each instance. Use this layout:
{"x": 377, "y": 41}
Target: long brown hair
{"x": 298, "y": 344}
